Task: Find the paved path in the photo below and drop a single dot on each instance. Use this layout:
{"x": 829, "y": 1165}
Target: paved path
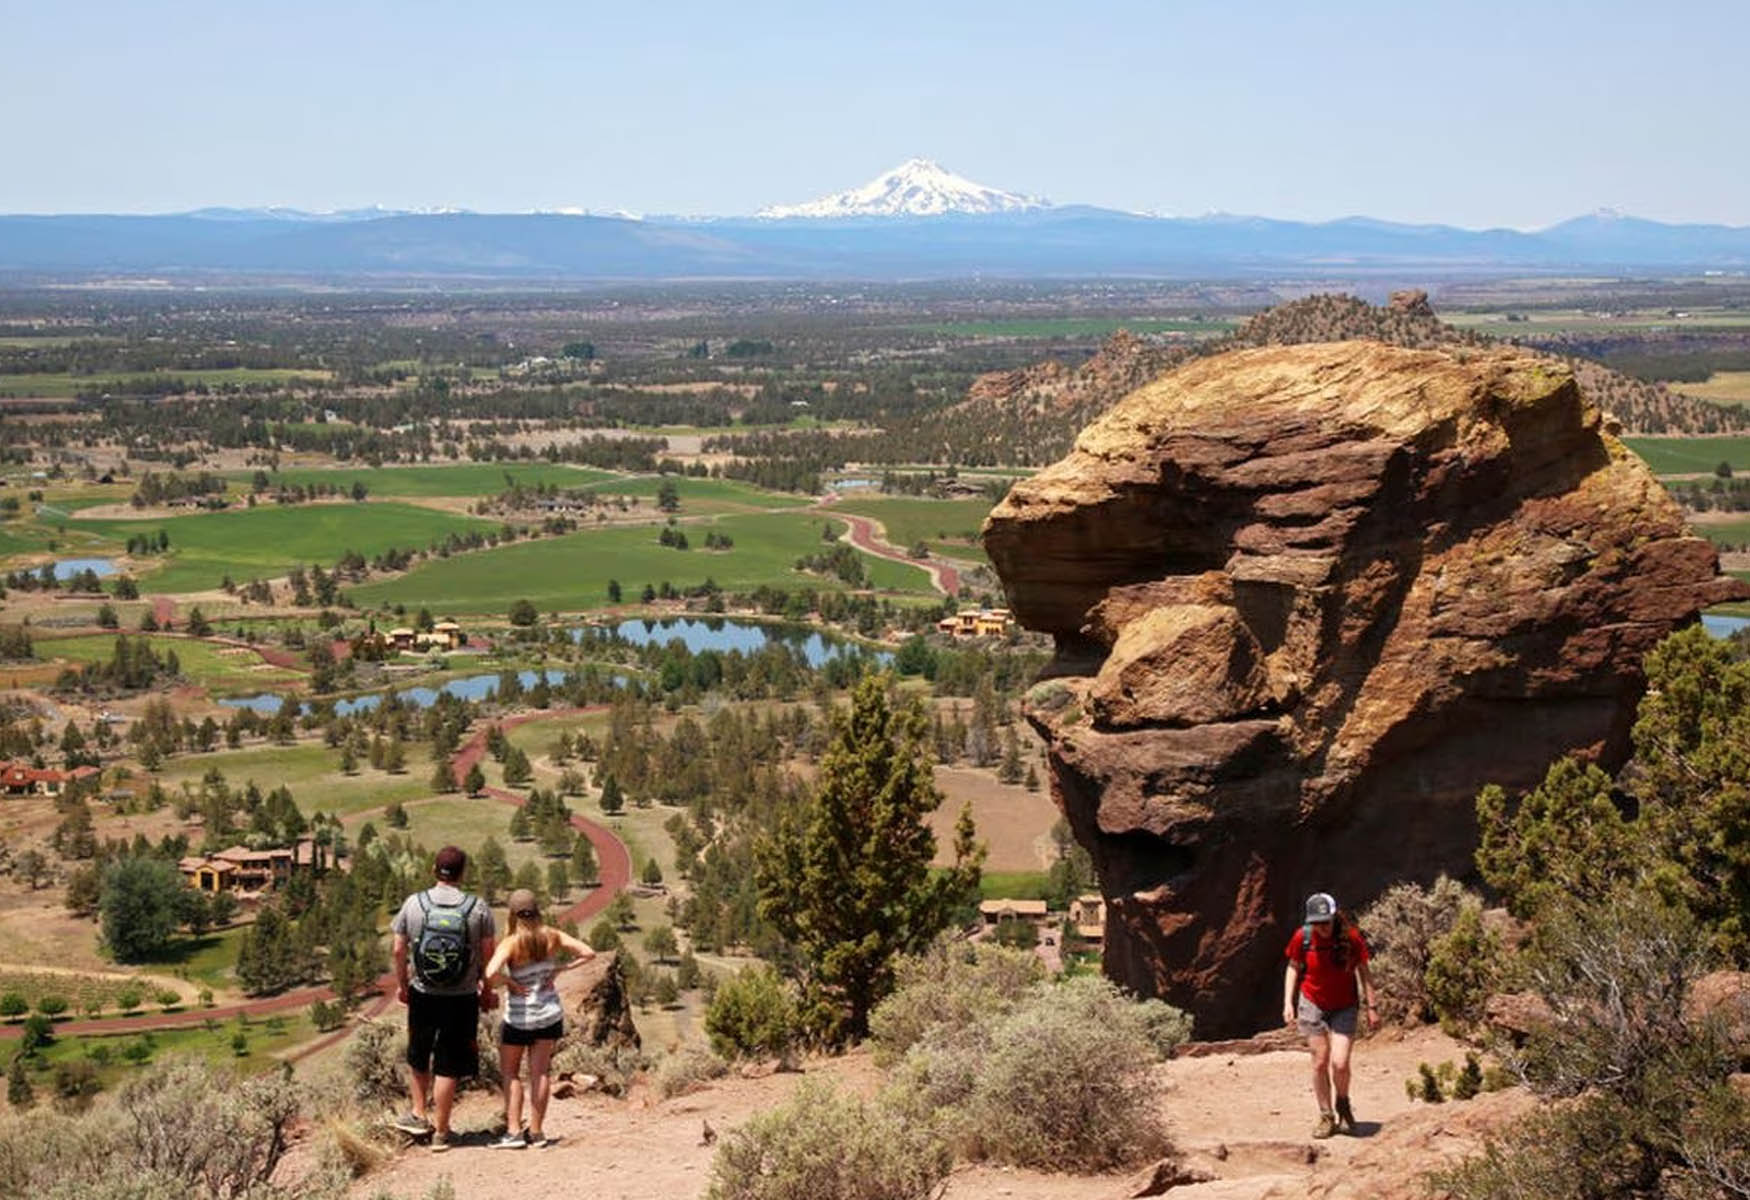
{"x": 615, "y": 873}
{"x": 868, "y": 535}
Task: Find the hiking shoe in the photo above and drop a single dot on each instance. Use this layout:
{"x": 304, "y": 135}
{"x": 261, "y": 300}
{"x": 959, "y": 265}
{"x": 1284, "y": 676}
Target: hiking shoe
{"x": 1345, "y": 1116}
{"x": 1326, "y": 1127}
{"x": 412, "y": 1123}
{"x": 511, "y": 1141}
{"x": 441, "y": 1140}
{"x": 541, "y": 1140}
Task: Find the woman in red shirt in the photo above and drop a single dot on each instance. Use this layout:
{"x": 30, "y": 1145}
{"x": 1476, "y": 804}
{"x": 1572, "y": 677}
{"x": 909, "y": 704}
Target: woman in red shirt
{"x": 1322, "y": 989}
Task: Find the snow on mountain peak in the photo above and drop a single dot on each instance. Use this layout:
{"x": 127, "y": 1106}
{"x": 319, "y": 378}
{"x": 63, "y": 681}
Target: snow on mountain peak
{"x": 915, "y": 188}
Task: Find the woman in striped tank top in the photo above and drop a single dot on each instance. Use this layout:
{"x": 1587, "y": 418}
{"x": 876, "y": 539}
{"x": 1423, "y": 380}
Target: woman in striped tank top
{"x": 526, "y": 962}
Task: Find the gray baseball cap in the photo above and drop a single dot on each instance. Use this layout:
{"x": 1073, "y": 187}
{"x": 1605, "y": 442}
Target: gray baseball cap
{"x": 1320, "y": 906}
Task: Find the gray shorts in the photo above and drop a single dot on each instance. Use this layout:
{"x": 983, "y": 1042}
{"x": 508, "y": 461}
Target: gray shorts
{"x": 1316, "y": 1022}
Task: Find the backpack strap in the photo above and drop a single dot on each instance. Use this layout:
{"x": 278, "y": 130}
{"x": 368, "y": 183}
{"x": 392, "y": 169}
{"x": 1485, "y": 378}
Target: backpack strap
{"x": 424, "y": 899}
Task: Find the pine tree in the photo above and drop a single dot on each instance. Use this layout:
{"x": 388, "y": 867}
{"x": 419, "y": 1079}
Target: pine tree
{"x": 558, "y": 880}
{"x": 848, "y": 880}
{"x": 492, "y": 870}
{"x": 443, "y": 776}
{"x": 613, "y": 800}
{"x": 475, "y": 783}
{"x": 19, "y": 1094}
{"x": 519, "y": 825}
{"x": 583, "y": 862}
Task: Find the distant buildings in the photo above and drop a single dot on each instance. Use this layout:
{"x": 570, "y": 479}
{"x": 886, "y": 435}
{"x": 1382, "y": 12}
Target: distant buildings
{"x": 22, "y": 779}
{"x": 445, "y": 635}
{"x": 977, "y": 622}
{"x": 248, "y": 872}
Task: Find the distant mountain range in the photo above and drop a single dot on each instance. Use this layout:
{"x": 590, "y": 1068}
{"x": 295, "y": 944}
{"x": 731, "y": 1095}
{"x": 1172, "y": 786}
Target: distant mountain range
{"x": 917, "y": 221}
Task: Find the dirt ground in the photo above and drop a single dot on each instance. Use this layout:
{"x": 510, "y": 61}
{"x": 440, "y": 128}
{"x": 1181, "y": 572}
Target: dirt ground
{"x": 1013, "y": 822}
{"x": 1244, "y": 1119}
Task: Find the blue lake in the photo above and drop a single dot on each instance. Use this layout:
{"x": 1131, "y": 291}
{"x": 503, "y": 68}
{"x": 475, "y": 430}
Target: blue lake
{"x": 1723, "y": 626}
{"x": 66, "y": 568}
{"x": 470, "y": 687}
{"x": 749, "y": 637}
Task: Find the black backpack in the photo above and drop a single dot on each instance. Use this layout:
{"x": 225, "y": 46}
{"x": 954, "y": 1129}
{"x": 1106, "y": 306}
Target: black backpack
{"x": 444, "y": 951}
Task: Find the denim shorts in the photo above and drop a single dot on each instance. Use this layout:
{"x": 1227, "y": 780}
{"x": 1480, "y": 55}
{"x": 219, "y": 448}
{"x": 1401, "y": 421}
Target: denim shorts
{"x": 1316, "y": 1022}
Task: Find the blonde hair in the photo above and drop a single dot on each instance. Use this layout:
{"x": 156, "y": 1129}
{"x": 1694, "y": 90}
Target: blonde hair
{"x": 530, "y": 940}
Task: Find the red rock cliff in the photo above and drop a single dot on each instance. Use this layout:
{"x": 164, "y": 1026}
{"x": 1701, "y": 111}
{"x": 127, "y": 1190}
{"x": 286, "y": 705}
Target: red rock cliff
{"x": 1307, "y": 600}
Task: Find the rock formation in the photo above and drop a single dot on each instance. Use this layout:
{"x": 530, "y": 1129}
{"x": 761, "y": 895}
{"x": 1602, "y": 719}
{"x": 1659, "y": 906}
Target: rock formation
{"x": 1307, "y": 600}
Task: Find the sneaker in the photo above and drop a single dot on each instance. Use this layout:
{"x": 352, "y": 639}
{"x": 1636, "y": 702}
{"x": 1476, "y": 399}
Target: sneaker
{"x": 441, "y": 1140}
{"x": 540, "y": 1140}
{"x": 1345, "y": 1116}
{"x": 511, "y": 1141}
{"x": 1326, "y": 1127}
{"x": 410, "y": 1122}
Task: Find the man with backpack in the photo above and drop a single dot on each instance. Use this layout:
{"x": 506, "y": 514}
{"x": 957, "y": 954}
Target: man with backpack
{"x": 1322, "y": 990}
{"x": 443, "y": 940}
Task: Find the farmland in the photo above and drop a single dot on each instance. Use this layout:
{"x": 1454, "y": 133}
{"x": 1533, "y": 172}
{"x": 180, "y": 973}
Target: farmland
{"x": 268, "y": 541}
{"x": 311, "y": 772}
{"x": 215, "y": 667}
{"x": 62, "y": 385}
{"x": 572, "y": 572}
{"x": 462, "y": 479}
{"x": 1691, "y": 456}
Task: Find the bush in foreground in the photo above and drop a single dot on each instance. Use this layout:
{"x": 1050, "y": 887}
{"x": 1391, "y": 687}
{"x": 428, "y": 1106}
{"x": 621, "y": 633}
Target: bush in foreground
{"x": 824, "y": 1145}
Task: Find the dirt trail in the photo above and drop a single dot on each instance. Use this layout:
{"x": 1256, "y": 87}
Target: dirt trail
{"x": 1243, "y": 1118}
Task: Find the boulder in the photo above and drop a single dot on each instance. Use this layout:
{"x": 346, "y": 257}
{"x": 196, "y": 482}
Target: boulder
{"x": 1307, "y": 600}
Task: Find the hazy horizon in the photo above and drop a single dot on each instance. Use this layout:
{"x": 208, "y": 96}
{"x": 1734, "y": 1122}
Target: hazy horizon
{"x": 1494, "y": 118}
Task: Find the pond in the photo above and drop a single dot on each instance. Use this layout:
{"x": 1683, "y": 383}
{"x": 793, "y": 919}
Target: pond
{"x": 724, "y": 634}
{"x": 66, "y": 568}
{"x": 469, "y": 687}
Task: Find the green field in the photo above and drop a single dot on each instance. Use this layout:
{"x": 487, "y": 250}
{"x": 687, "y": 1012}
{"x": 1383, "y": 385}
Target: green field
{"x": 1573, "y": 320}
{"x": 264, "y": 1037}
{"x": 948, "y": 527}
{"x": 312, "y": 773}
{"x": 263, "y": 542}
{"x": 1012, "y": 885}
{"x": 461, "y": 479}
{"x": 1072, "y": 327}
{"x": 217, "y": 668}
{"x": 465, "y": 821}
{"x": 572, "y": 572}
{"x": 1689, "y": 456}
{"x": 56, "y": 386}
{"x": 700, "y": 497}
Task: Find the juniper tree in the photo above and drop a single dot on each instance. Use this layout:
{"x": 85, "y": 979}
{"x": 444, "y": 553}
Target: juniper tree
{"x": 847, "y": 879}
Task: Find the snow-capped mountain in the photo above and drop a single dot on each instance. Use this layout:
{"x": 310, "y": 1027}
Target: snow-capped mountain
{"x": 915, "y": 188}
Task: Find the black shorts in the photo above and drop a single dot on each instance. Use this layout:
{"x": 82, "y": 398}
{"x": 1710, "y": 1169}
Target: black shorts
{"x": 510, "y": 1035}
{"x": 443, "y": 1034}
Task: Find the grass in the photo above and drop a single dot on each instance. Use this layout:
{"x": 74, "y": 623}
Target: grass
{"x": 455, "y": 820}
{"x": 572, "y": 572}
{"x": 1072, "y": 327}
{"x": 702, "y": 496}
{"x": 1012, "y": 885}
{"x": 266, "y": 1038}
{"x": 75, "y": 987}
{"x": 1691, "y": 455}
{"x": 216, "y": 668}
{"x": 461, "y": 479}
{"x": 948, "y": 527}
{"x": 1722, "y": 387}
{"x": 268, "y": 541}
{"x": 312, "y": 773}
{"x": 59, "y": 384}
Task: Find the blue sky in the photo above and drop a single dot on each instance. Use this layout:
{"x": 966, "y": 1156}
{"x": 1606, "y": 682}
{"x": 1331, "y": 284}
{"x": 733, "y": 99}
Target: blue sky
{"x": 1475, "y": 114}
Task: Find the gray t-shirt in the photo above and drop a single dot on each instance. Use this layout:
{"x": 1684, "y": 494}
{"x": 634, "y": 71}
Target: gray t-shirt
{"x": 411, "y": 919}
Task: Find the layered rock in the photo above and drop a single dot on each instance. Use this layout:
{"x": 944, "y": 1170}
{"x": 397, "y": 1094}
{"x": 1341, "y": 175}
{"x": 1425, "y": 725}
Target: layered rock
{"x": 1307, "y": 600}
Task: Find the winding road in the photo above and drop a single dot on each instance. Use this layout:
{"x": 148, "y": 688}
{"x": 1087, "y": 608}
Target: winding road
{"x": 615, "y": 873}
{"x": 869, "y": 536}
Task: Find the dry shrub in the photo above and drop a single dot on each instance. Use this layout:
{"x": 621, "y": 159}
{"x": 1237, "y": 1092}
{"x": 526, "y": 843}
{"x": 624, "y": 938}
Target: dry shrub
{"x": 376, "y": 1063}
{"x": 1059, "y": 1079}
{"x": 354, "y": 1148}
{"x": 180, "y": 1131}
{"x": 955, "y": 984}
{"x": 688, "y": 1068}
{"x": 824, "y": 1145}
{"x": 1402, "y": 927}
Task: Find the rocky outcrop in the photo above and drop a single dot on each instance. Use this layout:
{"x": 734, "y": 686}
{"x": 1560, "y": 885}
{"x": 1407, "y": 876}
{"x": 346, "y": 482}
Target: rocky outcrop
{"x": 1307, "y": 599}
{"x": 602, "y": 1006}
